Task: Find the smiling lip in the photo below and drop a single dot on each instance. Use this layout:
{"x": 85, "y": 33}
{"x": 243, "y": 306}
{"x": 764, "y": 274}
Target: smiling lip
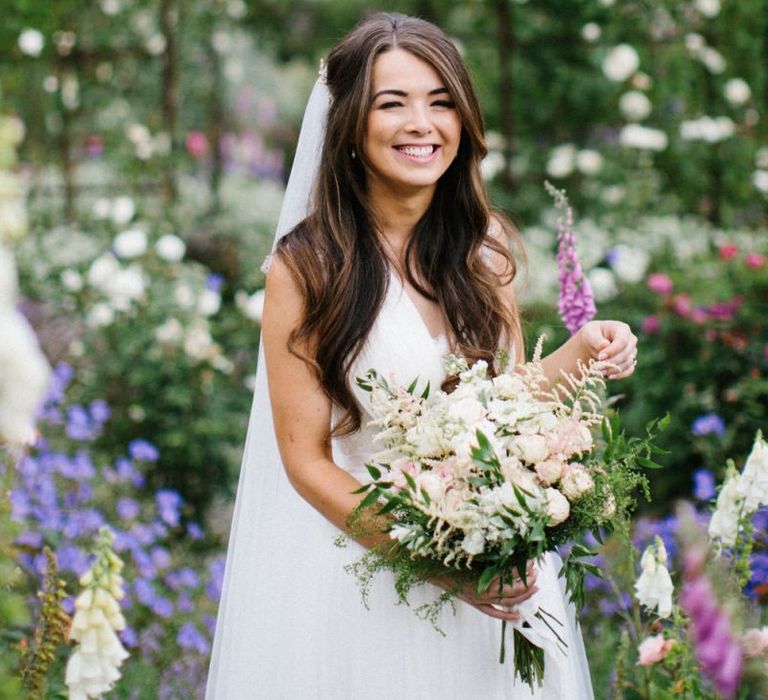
{"x": 417, "y": 153}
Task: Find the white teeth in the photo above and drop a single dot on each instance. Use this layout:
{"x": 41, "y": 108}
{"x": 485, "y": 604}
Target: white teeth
{"x": 417, "y": 151}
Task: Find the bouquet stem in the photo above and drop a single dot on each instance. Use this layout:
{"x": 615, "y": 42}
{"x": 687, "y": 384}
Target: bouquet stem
{"x": 529, "y": 658}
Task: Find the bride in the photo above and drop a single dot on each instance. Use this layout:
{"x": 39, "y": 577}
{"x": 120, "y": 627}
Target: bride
{"x": 391, "y": 259}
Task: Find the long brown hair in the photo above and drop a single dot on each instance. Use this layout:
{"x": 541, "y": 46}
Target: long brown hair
{"x": 336, "y": 256}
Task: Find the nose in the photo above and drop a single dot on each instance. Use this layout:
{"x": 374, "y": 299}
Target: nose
{"x": 418, "y": 120}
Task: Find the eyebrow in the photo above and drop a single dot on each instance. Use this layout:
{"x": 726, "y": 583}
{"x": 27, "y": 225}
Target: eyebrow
{"x": 402, "y": 93}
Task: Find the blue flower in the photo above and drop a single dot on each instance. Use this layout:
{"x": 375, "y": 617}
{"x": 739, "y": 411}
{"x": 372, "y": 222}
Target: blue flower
{"x": 189, "y": 637}
{"x": 163, "y": 607}
{"x": 128, "y": 637}
{"x": 100, "y": 411}
{"x": 214, "y": 281}
{"x": 168, "y": 506}
{"x": 144, "y": 591}
{"x": 708, "y": 424}
{"x": 194, "y": 531}
{"x": 143, "y": 451}
{"x": 704, "y": 485}
{"x": 79, "y": 426}
{"x": 127, "y": 508}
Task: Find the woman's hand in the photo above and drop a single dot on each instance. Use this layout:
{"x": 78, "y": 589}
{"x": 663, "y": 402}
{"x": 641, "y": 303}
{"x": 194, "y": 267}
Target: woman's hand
{"x": 612, "y": 342}
{"x": 495, "y": 603}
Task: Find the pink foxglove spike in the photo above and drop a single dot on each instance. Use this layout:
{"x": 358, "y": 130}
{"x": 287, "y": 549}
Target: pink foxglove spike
{"x": 576, "y": 301}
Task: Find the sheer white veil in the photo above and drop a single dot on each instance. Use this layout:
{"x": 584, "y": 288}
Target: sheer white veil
{"x": 261, "y": 472}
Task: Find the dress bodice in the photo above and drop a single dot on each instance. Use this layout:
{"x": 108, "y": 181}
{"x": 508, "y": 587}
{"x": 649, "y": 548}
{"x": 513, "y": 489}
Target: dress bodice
{"x": 400, "y": 348}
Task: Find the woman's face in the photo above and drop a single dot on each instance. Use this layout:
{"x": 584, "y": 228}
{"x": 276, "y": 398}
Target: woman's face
{"x": 413, "y": 130}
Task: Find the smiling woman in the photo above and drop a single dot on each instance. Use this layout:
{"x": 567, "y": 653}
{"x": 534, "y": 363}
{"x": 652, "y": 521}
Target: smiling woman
{"x": 398, "y": 261}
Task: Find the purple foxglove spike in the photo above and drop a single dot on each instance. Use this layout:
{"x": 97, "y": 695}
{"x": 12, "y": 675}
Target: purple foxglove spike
{"x": 576, "y": 301}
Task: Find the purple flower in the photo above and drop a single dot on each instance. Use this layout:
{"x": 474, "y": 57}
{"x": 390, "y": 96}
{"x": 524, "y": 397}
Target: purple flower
{"x": 708, "y": 424}
{"x": 717, "y": 649}
{"x": 168, "y": 506}
{"x": 704, "y": 485}
{"x": 216, "y": 571}
{"x": 79, "y": 425}
{"x": 143, "y": 451}
{"x": 126, "y": 472}
{"x": 576, "y": 302}
{"x": 99, "y": 411}
{"x": 161, "y": 557}
{"x": 33, "y": 540}
{"x": 194, "y": 531}
{"x": 128, "y": 637}
{"x": 144, "y": 591}
{"x": 163, "y": 607}
{"x": 127, "y": 508}
{"x": 214, "y": 281}
{"x": 189, "y": 637}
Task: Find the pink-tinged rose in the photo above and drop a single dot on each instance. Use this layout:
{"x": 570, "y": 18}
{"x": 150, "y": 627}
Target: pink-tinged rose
{"x": 754, "y": 261}
{"x": 728, "y": 251}
{"x": 549, "y": 471}
{"x": 558, "y": 508}
{"x": 575, "y": 482}
{"x": 754, "y": 642}
{"x": 569, "y": 438}
{"x": 651, "y": 325}
{"x": 397, "y": 473}
{"x": 197, "y": 144}
{"x": 432, "y": 485}
{"x": 654, "y": 649}
{"x": 682, "y": 306}
{"x": 659, "y": 283}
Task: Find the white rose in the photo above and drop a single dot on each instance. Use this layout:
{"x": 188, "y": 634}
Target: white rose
{"x": 130, "y": 243}
{"x": 620, "y": 63}
{"x": 549, "y": 471}
{"x": 506, "y": 386}
{"x": 654, "y": 588}
{"x": 170, "y": 248}
{"x": 532, "y": 448}
{"x": 558, "y": 508}
{"x": 576, "y": 482}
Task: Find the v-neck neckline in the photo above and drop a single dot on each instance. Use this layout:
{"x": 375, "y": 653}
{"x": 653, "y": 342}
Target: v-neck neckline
{"x": 441, "y": 338}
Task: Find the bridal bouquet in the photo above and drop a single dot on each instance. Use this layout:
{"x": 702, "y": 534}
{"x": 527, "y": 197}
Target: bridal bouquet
{"x": 476, "y": 482}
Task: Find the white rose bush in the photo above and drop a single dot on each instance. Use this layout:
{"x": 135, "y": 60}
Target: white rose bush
{"x": 477, "y": 482}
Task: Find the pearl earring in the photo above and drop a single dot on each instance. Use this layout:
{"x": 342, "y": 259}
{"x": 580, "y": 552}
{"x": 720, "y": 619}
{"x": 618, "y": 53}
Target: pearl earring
{"x": 353, "y": 153}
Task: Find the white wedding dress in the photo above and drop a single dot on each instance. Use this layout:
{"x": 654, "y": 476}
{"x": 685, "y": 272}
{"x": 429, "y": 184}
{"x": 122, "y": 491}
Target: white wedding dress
{"x": 291, "y": 623}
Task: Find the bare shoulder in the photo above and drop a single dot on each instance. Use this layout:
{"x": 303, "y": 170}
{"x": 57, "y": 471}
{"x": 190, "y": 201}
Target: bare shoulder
{"x": 284, "y": 299}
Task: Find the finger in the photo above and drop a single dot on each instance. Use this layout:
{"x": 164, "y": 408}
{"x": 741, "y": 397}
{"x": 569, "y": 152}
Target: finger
{"x": 626, "y": 358}
{"x": 516, "y": 600}
{"x": 622, "y": 337}
{"x": 508, "y": 615}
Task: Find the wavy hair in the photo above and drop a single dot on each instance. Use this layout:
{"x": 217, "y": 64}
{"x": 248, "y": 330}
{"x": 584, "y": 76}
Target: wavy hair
{"x": 336, "y": 255}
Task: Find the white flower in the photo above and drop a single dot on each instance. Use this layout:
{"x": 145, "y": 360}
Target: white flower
{"x": 634, "y": 105}
{"x": 93, "y": 667}
{"x": 71, "y": 280}
{"x": 24, "y": 374}
{"x": 130, "y": 243}
{"x": 170, "y": 248}
{"x": 31, "y": 42}
{"x": 654, "y": 588}
{"x": 755, "y": 475}
{"x": 492, "y": 165}
{"x": 761, "y": 158}
{"x": 123, "y": 210}
{"x": 473, "y": 542}
{"x": 630, "y": 262}
{"x": 8, "y": 280}
{"x": 694, "y": 42}
{"x": 102, "y": 270}
{"x": 620, "y": 63}
{"x": 760, "y": 180}
{"x": 729, "y": 509}
{"x": 532, "y": 448}
{"x": 712, "y": 59}
{"x": 13, "y": 219}
{"x": 591, "y": 32}
{"x": 432, "y": 484}
{"x": 549, "y": 471}
{"x": 737, "y": 91}
{"x": 252, "y": 306}
{"x": 467, "y": 410}
{"x": 198, "y": 343}
{"x": 576, "y": 482}
{"x": 562, "y": 160}
{"x": 708, "y": 8}
{"x": 102, "y": 208}
{"x": 603, "y": 284}
{"x": 184, "y": 295}
{"x": 99, "y": 315}
{"x": 643, "y": 137}
{"x": 170, "y": 332}
{"x": 589, "y": 162}
{"x": 710, "y": 129}
{"x": 209, "y": 302}
{"x": 124, "y": 287}
{"x": 558, "y": 508}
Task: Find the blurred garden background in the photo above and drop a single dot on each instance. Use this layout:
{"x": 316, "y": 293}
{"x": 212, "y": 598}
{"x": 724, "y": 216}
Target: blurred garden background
{"x": 144, "y": 148}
